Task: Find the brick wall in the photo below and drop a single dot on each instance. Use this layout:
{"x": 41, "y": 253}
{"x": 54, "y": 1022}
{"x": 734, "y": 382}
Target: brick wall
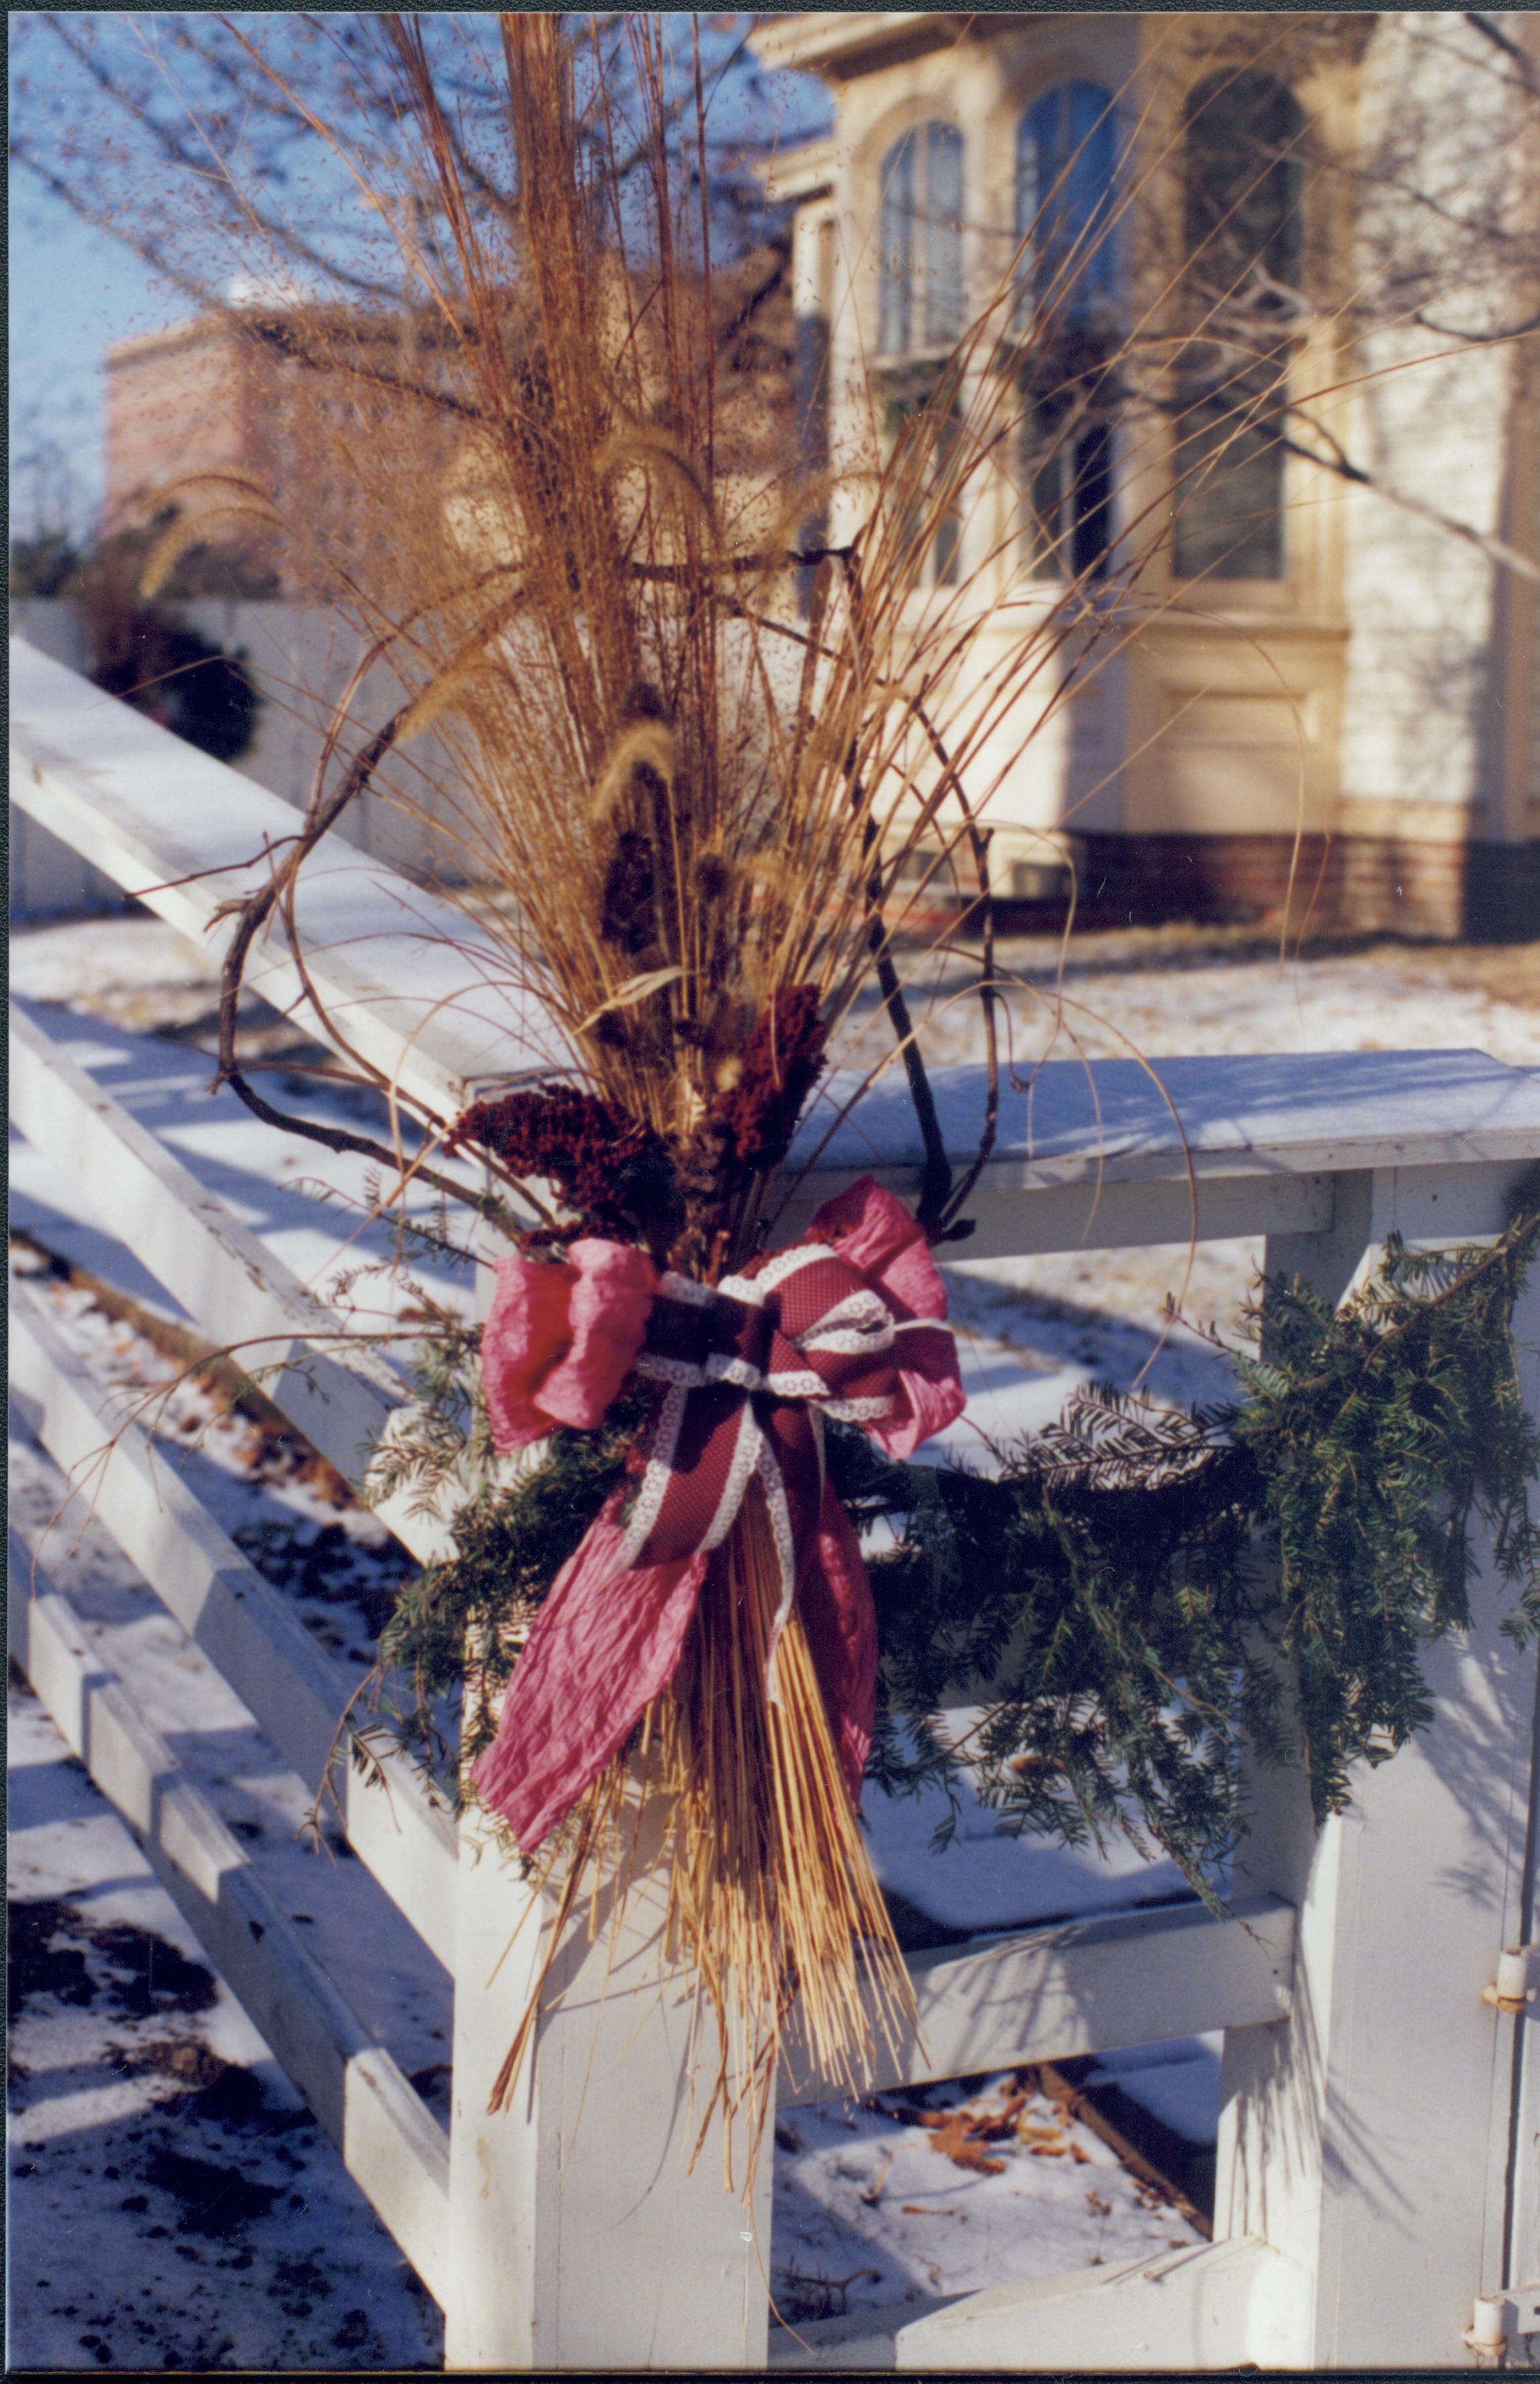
{"x": 1356, "y": 886}
{"x": 1349, "y": 885}
{"x": 230, "y": 394}
{"x": 202, "y": 397}
{"x": 310, "y": 401}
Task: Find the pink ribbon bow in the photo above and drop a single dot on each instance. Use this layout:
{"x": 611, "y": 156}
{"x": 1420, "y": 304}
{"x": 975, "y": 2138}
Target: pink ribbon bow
{"x": 846, "y": 1323}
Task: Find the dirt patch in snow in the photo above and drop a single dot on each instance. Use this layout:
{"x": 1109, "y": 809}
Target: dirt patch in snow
{"x": 214, "y": 2199}
{"x": 123, "y": 1969}
{"x": 174, "y": 2205}
{"x": 904, "y": 2198}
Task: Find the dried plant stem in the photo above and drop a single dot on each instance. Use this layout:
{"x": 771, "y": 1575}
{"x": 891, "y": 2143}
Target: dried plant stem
{"x": 772, "y": 1897}
{"x": 578, "y": 1853}
{"x": 774, "y": 1892}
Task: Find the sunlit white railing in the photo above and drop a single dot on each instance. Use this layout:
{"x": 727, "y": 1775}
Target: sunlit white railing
{"x": 1376, "y": 2170}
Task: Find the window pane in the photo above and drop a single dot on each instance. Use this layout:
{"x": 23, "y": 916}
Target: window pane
{"x": 1091, "y": 503}
{"x": 943, "y": 292}
{"x": 1244, "y": 182}
{"x": 912, "y": 414}
{"x": 1069, "y": 470}
{"x": 1046, "y": 523}
{"x": 1066, "y": 168}
{"x": 920, "y": 242}
{"x": 895, "y": 247}
{"x": 946, "y": 545}
{"x": 1229, "y": 485}
{"x": 945, "y": 550}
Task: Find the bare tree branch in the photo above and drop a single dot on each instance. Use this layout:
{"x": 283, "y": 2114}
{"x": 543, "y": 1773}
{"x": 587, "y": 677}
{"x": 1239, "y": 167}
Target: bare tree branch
{"x": 115, "y": 223}
{"x": 1495, "y": 550}
{"x": 1516, "y": 57}
{"x": 1478, "y": 339}
{"x": 189, "y": 161}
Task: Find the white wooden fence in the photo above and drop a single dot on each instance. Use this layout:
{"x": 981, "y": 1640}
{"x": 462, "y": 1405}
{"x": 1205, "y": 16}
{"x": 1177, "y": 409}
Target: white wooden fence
{"x": 1377, "y": 2177}
{"x": 299, "y": 658}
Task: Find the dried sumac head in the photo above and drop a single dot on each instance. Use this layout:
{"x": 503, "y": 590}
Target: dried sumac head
{"x": 780, "y": 1065}
{"x": 614, "y": 1172}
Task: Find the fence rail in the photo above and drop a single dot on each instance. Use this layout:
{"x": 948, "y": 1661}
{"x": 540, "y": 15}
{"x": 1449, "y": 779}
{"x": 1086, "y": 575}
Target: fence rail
{"x": 252, "y": 1635}
{"x": 1351, "y": 1960}
{"x": 389, "y": 2141}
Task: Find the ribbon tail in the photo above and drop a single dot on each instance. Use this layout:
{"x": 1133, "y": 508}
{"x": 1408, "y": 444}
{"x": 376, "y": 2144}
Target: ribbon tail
{"x": 604, "y": 1644}
{"x": 834, "y": 1598}
{"x": 783, "y": 1532}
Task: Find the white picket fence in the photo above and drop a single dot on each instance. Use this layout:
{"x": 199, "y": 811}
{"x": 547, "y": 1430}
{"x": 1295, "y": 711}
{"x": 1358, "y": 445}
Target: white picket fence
{"x": 1377, "y": 2173}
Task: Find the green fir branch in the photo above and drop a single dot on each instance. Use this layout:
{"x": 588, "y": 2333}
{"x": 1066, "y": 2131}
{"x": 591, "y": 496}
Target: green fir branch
{"x": 1132, "y": 1597}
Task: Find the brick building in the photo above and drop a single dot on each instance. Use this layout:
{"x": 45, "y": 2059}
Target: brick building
{"x": 305, "y": 403}
{"x": 276, "y": 397}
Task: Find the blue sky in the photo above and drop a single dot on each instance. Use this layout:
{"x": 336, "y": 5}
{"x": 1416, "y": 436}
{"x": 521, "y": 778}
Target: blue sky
{"x": 75, "y": 290}
{"x": 72, "y": 292}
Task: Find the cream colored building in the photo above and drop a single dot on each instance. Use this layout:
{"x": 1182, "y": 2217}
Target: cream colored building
{"x": 1329, "y": 678}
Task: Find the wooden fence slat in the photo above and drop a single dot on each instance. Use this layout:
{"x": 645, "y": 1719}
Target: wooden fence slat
{"x": 184, "y": 834}
{"x": 235, "y": 1289}
{"x": 292, "y": 1687}
{"x": 1081, "y": 1986}
{"x": 1011, "y": 1222}
{"x": 1219, "y": 2305}
{"x": 1230, "y": 1114}
{"x": 1013, "y": 1219}
{"x": 388, "y": 2139}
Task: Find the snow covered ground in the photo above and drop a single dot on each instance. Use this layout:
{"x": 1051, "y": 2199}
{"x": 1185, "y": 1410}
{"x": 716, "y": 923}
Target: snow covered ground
{"x": 977, "y": 2183}
{"x": 172, "y": 2205}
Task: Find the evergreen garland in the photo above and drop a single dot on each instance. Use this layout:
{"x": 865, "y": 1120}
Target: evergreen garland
{"x": 1132, "y": 1592}
{"x": 454, "y": 1635}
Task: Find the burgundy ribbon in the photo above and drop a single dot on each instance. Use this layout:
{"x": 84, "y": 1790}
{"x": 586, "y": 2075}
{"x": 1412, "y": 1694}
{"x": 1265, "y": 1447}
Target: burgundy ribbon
{"x": 846, "y": 1323}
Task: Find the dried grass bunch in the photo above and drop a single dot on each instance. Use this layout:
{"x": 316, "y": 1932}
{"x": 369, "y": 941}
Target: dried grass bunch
{"x": 578, "y": 545}
{"x": 701, "y": 813}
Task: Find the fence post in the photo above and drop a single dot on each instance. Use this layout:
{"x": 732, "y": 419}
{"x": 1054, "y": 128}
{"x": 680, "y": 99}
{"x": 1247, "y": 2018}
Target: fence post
{"x": 1515, "y": 2261}
{"x": 580, "y": 2237}
{"x": 1367, "y": 2136}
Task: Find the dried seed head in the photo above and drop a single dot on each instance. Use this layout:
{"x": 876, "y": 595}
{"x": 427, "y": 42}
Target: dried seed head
{"x": 614, "y": 1172}
{"x": 628, "y": 910}
{"x": 642, "y": 703}
{"x": 778, "y": 1071}
{"x": 645, "y": 753}
{"x": 713, "y": 877}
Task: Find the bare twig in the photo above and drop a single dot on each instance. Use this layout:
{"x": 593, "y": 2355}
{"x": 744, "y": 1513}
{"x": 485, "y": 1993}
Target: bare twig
{"x": 1495, "y": 550}
{"x": 1518, "y": 58}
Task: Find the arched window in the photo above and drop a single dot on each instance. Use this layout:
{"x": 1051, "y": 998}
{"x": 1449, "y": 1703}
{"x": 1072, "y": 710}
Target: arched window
{"x": 920, "y": 242}
{"x": 1068, "y": 486}
{"x": 1066, "y": 172}
{"x": 1229, "y": 460}
{"x": 1066, "y": 198}
{"x": 1244, "y": 182}
{"x": 1243, "y": 230}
